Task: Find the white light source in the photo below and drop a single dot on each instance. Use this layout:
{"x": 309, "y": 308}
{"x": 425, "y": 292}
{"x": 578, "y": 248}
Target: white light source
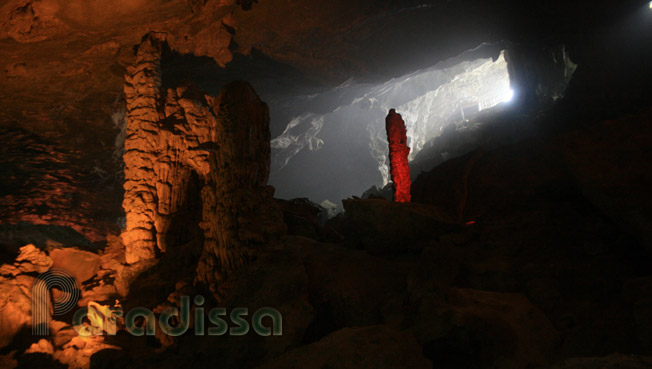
{"x": 650, "y": 5}
{"x": 508, "y": 96}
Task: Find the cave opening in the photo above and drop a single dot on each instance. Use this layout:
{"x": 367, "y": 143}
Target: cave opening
{"x": 333, "y": 143}
{"x": 328, "y": 143}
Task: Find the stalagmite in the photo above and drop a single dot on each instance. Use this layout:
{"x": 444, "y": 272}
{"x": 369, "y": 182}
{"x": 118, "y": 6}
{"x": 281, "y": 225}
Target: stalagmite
{"x": 166, "y": 157}
{"x": 196, "y": 167}
{"x": 240, "y": 214}
{"x": 398, "y": 156}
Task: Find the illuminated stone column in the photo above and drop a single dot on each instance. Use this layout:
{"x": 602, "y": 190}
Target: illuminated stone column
{"x": 240, "y": 214}
{"x": 169, "y": 137}
{"x": 398, "y": 156}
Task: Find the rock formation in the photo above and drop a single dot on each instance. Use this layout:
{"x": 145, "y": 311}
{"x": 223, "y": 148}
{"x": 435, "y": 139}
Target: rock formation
{"x": 166, "y": 156}
{"x": 398, "y": 156}
{"x": 239, "y": 211}
{"x": 195, "y": 161}
{"x": 16, "y": 283}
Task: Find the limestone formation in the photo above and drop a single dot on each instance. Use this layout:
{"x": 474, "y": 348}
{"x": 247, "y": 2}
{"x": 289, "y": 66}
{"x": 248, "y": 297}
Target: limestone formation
{"x": 16, "y": 281}
{"x": 398, "y": 156}
{"x": 239, "y": 211}
{"x": 195, "y": 166}
{"x": 166, "y": 156}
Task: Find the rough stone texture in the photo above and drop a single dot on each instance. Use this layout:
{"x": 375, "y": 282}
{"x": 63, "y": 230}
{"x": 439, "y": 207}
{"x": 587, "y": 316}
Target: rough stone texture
{"x": 240, "y": 214}
{"x": 62, "y": 76}
{"x": 166, "y": 157}
{"x": 31, "y": 260}
{"x": 398, "y": 156}
{"x": 359, "y": 347}
{"x": 605, "y": 163}
{"x": 76, "y": 354}
{"x": 470, "y": 328}
{"x": 305, "y": 218}
{"x": 195, "y": 161}
{"x": 83, "y": 265}
{"x": 620, "y": 361}
{"x": 14, "y": 236}
{"x": 16, "y": 291}
{"x": 385, "y": 226}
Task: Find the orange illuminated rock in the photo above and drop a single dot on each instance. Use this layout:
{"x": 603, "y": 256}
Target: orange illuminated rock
{"x": 166, "y": 157}
{"x": 398, "y": 156}
{"x": 196, "y": 167}
{"x": 16, "y": 281}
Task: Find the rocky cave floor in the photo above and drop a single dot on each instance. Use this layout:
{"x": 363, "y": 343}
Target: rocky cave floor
{"x": 533, "y": 255}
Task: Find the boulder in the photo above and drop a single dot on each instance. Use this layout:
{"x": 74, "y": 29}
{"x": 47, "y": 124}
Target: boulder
{"x": 31, "y": 260}
{"x": 83, "y": 265}
{"x": 357, "y": 347}
{"x": 15, "y": 310}
{"x": 619, "y": 361}
{"x": 385, "y": 226}
{"x": 473, "y": 329}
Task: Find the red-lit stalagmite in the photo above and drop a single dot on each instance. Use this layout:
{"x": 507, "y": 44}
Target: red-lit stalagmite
{"x": 398, "y": 156}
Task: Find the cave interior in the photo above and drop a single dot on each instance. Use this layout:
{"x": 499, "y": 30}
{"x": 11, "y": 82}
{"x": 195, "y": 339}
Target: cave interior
{"x": 326, "y": 184}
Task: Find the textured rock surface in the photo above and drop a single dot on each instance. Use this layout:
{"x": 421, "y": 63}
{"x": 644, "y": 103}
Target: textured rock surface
{"x": 385, "y": 226}
{"x": 195, "y": 161}
{"x": 14, "y": 236}
{"x": 240, "y": 214}
{"x": 398, "y": 156}
{"x": 16, "y": 291}
{"x": 83, "y": 265}
{"x": 473, "y": 328}
{"x": 612, "y": 361}
{"x": 360, "y": 347}
{"x": 169, "y": 134}
{"x": 305, "y": 218}
{"x": 620, "y": 187}
{"x": 63, "y": 72}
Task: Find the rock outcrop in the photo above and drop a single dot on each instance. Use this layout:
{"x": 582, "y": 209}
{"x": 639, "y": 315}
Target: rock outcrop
{"x": 360, "y": 347}
{"x": 240, "y": 214}
{"x": 169, "y": 134}
{"x": 195, "y": 166}
{"x": 398, "y": 156}
{"x": 16, "y": 281}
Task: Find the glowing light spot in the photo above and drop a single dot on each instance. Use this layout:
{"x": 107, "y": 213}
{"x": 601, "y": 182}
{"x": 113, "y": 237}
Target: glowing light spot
{"x": 470, "y": 223}
{"x": 650, "y": 4}
{"x": 508, "y": 96}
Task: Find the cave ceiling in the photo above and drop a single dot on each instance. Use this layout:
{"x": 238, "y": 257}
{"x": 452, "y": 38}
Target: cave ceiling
{"x": 64, "y": 61}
